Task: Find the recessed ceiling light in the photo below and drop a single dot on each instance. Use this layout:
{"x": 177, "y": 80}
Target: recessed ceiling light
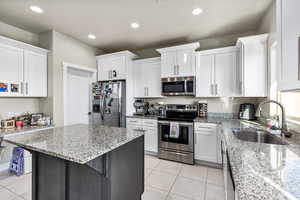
{"x": 91, "y": 36}
{"x": 197, "y": 11}
{"x": 36, "y": 9}
{"x": 135, "y": 25}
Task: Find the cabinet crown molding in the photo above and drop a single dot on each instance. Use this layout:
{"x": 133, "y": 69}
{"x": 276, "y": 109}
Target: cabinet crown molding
{"x": 219, "y": 50}
{"x": 22, "y": 45}
{"x": 192, "y": 46}
{"x": 148, "y": 60}
{"x": 120, "y": 53}
{"x": 253, "y": 39}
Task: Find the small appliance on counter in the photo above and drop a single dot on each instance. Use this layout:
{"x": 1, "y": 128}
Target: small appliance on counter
{"x": 247, "y": 111}
{"x": 8, "y": 124}
{"x": 141, "y": 107}
{"x": 202, "y": 110}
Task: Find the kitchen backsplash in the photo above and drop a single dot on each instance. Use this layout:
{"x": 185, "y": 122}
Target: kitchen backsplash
{"x": 215, "y": 105}
{"x": 17, "y": 106}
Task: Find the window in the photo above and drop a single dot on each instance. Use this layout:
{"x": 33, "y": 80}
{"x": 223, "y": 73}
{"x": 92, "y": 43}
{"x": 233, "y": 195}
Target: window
{"x": 291, "y": 102}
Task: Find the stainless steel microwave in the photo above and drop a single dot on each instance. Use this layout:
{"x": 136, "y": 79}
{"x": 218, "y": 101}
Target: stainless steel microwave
{"x": 178, "y": 86}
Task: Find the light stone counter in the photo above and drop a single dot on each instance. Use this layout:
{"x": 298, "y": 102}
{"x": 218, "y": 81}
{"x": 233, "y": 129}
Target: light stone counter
{"x": 77, "y": 143}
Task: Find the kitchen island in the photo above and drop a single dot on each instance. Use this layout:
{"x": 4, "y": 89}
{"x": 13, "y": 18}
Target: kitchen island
{"x": 85, "y": 162}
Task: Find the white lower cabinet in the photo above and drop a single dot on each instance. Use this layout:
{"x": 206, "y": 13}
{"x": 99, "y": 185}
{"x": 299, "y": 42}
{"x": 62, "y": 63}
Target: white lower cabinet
{"x": 27, "y": 162}
{"x": 150, "y": 128}
{"x": 206, "y": 142}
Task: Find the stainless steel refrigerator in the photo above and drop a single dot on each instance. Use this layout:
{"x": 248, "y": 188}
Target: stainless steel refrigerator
{"x": 108, "y": 103}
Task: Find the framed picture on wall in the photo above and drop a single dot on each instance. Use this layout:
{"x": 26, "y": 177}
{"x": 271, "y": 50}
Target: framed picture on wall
{"x": 3, "y": 87}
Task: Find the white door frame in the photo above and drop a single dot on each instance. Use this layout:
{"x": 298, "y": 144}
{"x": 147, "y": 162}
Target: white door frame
{"x": 66, "y": 66}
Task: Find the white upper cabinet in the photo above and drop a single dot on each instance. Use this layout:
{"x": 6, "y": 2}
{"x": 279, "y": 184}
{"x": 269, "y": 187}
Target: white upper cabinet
{"x": 288, "y": 29}
{"x": 252, "y": 68}
{"x": 216, "y": 72}
{"x": 11, "y": 70}
{"x": 178, "y": 60}
{"x": 147, "y": 78}
{"x": 35, "y": 63}
{"x": 114, "y": 66}
{"x": 23, "y": 69}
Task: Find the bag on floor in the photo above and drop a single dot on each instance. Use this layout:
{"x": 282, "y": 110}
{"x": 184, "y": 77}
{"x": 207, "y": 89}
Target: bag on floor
{"x": 17, "y": 161}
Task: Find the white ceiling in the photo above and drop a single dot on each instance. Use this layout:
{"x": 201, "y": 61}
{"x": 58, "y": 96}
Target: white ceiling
{"x": 162, "y": 21}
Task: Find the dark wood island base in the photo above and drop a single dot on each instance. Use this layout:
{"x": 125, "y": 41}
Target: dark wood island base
{"x": 116, "y": 175}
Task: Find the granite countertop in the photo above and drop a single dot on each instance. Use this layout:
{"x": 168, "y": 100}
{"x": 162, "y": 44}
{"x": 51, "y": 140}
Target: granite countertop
{"x": 263, "y": 171}
{"x": 78, "y": 143}
{"x": 26, "y": 129}
{"x": 143, "y": 116}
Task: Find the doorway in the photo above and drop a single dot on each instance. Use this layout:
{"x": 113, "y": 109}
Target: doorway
{"x": 77, "y": 93}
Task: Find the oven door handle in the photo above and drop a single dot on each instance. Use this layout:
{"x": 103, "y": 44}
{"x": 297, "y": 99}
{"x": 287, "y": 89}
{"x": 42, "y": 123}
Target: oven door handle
{"x": 180, "y": 123}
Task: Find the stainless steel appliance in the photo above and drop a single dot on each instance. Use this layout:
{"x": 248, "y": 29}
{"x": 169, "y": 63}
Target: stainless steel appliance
{"x": 179, "y": 148}
{"x": 108, "y": 103}
{"x": 141, "y": 107}
{"x": 247, "y": 111}
{"x": 178, "y": 86}
{"x": 228, "y": 178}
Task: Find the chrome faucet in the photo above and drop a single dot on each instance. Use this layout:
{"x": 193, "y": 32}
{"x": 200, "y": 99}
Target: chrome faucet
{"x": 284, "y": 128}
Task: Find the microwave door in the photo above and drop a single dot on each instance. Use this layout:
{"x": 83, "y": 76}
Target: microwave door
{"x": 173, "y": 88}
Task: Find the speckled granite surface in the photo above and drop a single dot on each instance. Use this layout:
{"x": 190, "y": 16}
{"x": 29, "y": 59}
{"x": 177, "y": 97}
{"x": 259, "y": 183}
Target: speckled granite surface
{"x": 6, "y": 132}
{"x": 77, "y": 143}
{"x": 263, "y": 171}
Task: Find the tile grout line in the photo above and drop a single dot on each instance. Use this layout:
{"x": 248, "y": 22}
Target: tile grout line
{"x": 174, "y": 182}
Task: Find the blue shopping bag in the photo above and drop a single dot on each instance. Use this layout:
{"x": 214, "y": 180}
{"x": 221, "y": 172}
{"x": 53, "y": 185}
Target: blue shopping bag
{"x": 17, "y": 161}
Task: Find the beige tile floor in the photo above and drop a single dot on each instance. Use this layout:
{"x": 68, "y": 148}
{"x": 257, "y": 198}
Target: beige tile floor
{"x": 164, "y": 180}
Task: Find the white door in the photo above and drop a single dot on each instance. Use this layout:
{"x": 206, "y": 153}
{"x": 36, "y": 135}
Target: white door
{"x": 139, "y": 80}
{"x": 168, "y": 64}
{"x": 11, "y": 70}
{"x": 118, "y": 67}
{"x": 35, "y": 74}
{"x": 225, "y": 69}
{"x": 104, "y": 70}
{"x": 153, "y": 79}
{"x": 186, "y": 63}
{"x": 205, "y": 76}
{"x": 77, "y": 100}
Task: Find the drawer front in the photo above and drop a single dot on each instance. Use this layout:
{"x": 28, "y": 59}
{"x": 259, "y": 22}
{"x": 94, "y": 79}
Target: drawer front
{"x": 205, "y": 127}
{"x": 150, "y": 123}
{"x": 134, "y": 121}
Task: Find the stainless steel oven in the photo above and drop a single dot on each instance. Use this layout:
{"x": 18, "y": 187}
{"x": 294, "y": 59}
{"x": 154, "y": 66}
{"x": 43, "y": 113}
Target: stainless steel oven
{"x": 180, "y": 148}
{"x": 178, "y": 86}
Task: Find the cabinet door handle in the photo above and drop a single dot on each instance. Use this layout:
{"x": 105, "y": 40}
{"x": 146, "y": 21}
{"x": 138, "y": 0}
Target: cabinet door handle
{"x": 211, "y": 89}
{"x": 174, "y": 70}
{"x": 216, "y": 89}
{"x": 22, "y": 88}
{"x": 27, "y": 88}
{"x": 147, "y": 91}
{"x": 177, "y": 69}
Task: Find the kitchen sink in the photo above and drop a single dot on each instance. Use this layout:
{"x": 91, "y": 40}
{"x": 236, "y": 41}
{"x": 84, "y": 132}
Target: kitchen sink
{"x": 259, "y": 136}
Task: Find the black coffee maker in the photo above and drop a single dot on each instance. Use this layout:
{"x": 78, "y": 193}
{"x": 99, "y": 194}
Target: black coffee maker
{"x": 247, "y": 111}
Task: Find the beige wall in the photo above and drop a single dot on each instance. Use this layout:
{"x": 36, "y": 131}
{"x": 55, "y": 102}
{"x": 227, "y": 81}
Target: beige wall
{"x": 18, "y": 34}
{"x": 63, "y": 49}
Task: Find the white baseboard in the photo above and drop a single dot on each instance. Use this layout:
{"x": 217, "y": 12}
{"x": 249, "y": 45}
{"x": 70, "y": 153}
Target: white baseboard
{"x": 4, "y": 167}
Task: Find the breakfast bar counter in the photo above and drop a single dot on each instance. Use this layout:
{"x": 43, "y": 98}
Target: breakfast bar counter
{"x": 85, "y": 162}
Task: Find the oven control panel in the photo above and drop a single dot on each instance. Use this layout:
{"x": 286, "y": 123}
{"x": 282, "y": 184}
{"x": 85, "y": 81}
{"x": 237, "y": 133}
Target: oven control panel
{"x": 181, "y": 107}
